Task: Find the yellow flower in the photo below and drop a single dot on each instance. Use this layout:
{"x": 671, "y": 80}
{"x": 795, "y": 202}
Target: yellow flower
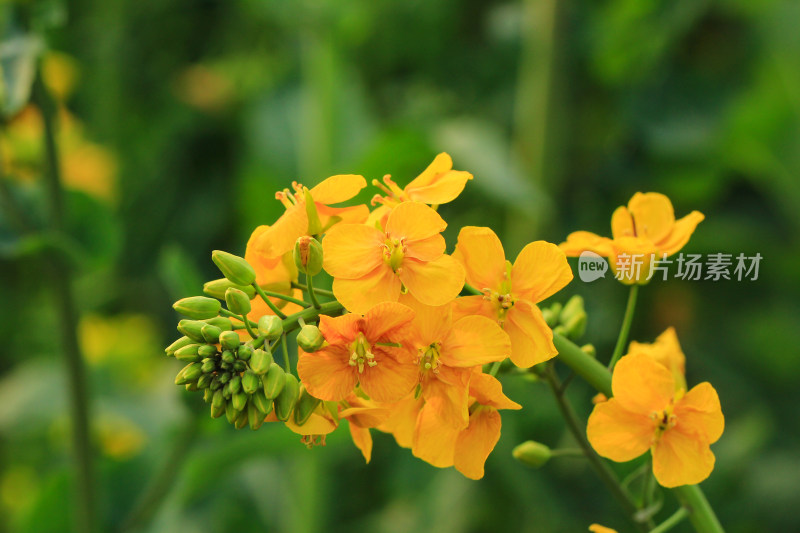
{"x": 370, "y": 266}
{"x": 667, "y": 351}
{"x": 647, "y": 412}
{"x": 511, "y": 292}
{"x": 597, "y": 528}
{"x": 643, "y": 230}
{"x": 438, "y": 184}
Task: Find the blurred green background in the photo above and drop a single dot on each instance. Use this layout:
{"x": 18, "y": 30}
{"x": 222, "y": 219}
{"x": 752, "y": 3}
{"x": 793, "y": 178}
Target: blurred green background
{"x": 180, "y": 119}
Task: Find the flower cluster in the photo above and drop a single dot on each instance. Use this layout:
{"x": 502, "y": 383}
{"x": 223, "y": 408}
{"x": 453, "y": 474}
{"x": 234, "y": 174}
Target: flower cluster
{"x": 396, "y": 347}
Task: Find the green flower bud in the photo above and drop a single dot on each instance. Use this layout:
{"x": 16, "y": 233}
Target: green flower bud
{"x": 216, "y": 384}
{"x": 241, "y": 420}
{"x": 225, "y": 377}
{"x": 192, "y": 386}
{"x": 261, "y": 402}
{"x": 177, "y": 345}
{"x": 260, "y": 361}
{"x": 573, "y": 307}
{"x": 314, "y": 223}
{"x": 231, "y": 413}
{"x": 208, "y": 366}
{"x": 589, "y": 350}
{"x": 226, "y": 390}
{"x": 239, "y": 366}
{"x": 208, "y": 394}
{"x": 551, "y": 314}
{"x": 218, "y": 399}
{"x": 204, "y": 381}
{"x": 198, "y": 307}
{"x": 273, "y": 381}
{"x": 236, "y": 269}
{"x": 229, "y": 340}
{"x": 239, "y": 400}
{"x": 304, "y": 407}
{"x": 254, "y": 417}
{"x": 207, "y": 350}
{"x": 217, "y": 410}
{"x": 270, "y": 326}
{"x": 236, "y": 384}
{"x": 228, "y": 357}
{"x": 532, "y": 453}
{"x": 188, "y": 373}
{"x": 237, "y": 301}
{"x": 244, "y": 352}
{"x": 188, "y": 353}
{"x": 192, "y": 329}
{"x": 576, "y": 326}
{"x": 210, "y": 333}
{"x": 217, "y": 288}
{"x": 310, "y": 338}
{"x": 284, "y": 403}
{"x": 221, "y": 322}
{"x": 226, "y": 366}
{"x": 250, "y": 382}
{"x": 308, "y": 255}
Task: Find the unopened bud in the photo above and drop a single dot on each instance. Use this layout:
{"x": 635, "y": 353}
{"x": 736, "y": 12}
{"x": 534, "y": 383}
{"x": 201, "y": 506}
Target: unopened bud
{"x": 260, "y": 361}
{"x": 284, "y": 403}
{"x": 228, "y": 357}
{"x": 532, "y": 453}
{"x": 241, "y": 420}
{"x": 211, "y": 333}
{"x": 244, "y": 352}
{"x": 239, "y": 400}
{"x": 192, "y": 329}
{"x": 188, "y": 373}
{"x": 589, "y": 350}
{"x": 575, "y": 327}
{"x": 239, "y": 366}
{"x": 221, "y": 322}
{"x": 237, "y": 301}
{"x": 217, "y": 288}
{"x": 273, "y": 381}
{"x": 229, "y": 340}
{"x": 207, "y": 350}
{"x": 236, "y": 269}
{"x": 261, "y": 402}
{"x": 310, "y": 338}
{"x": 198, "y": 307}
{"x": 208, "y": 366}
{"x": 204, "y": 381}
{"x": 188, "y": 353}
{"x": 574, "y": 306}
{"x": 230, "y": 413}
{"x": 254, "y": 417}
{"x": 304, "y": 407}
{"x": 235, "y": 384}
{"x": 308, "y": 255}
{"x": 250, "y": 382}
{"x": 177, "y": 345}
{"x": 270, "y": 326}
{"x": 551, "y": 314}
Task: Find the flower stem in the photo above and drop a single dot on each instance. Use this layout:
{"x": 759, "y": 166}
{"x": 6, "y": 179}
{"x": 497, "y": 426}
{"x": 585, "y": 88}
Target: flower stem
{"x": 622, "y": 340}
{"x": 310, "y": 283}
{"x": 248, "y": 327}
{"x": 701, "y": 515}
{"x": 671, "y": 522}
{"x": 601, "y": 468}
{"x": 495, "y": 368}
{"x": 65, "y": 303}
{"x": 320, "y": 292}
{"x": 266, "y": 299}
{"x": 285, "y": 349}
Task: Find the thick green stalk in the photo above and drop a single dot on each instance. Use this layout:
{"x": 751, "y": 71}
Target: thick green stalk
{"x": 68, "y": 317}
{"x": 701, "y": 515}
{"x": 627, "y": 320}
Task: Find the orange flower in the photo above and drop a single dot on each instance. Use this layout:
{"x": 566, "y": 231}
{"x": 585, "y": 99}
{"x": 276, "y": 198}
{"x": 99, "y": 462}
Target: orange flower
{"x": 511, "y": 292}
{"x": 370, "y": 266}
{"x": 646, "y": 229}
{"x": 438, "y": 184}
{"x": 301, "y": 219}
{"x": 362, "y": 351}
{"x": 647, "y": 412}
{"x": 597, "y": 528}
{"x": 363, "y": 414}
{"x": 666, "y": 350}
{"x": 272, "y": 273}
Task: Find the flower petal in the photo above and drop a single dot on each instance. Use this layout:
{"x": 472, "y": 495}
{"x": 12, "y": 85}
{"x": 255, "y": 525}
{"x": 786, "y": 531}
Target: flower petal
{"x": 475, "y": 443}
{"x": 652, "y": 214}
{"x": 351, "y": 251}
{"x": 326, "y": 373}
{"x": 362, "y": 439}
{"x": 622, "y": 223}
{"x": 667, "y": 351}
{"x": 414, "y": 221}
{"x": 441, "y": 163}
{"x": 445, "y": 189}
{"x": 359, "y": 295}
{"x": 319, "y": 423}
{"x": 481, "y": 254}
{"x": 681, "y": 459}
{"x": 541, "y": 270}
{"x": 474, "y": 340}
{"x": 681, "y": 232}
{"x": 340, "y": 330}
{"x": 699, "y": 411}
{"x": 281, "y": 236}
{"x": 435, "y": 282}
{"x": 580, "y": 241}
{"x": 428, "y": 249}
{"x": 448, "y": 397}
{"x": 487, "y": 390}
{"x": 338, "y": 188}
{"x": 431, "y": 323}
{"x": 473, "y": 305}
{"x": 356, "y": 214}
{"x": 531, "y": 337}
{"x": 619, "y": 434}
{"x": 433, "y": 441}
{"x": 389, "y": 380}
{"x": 641, "y": 384}
{"x": 403, "y": 420}
{"x": 387, "y": 319}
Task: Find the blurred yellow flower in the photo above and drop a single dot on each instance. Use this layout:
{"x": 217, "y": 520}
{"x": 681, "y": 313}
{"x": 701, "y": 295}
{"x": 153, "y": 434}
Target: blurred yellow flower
{"x": 666, "y": 350}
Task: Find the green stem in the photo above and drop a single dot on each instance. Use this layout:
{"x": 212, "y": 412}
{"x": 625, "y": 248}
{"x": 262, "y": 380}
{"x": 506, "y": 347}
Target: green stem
{"x": 285, "y": 349}
{"x": 248, "y": 327}
{"x": 495, "y": 368}
{"x": 266, "y": 299}
{"x": 671, "y": 522}
{"x": 310, "y": 283}
{"x": 601, "y": 468}
{"x": 320, "y": 292}
{"x": 627, "y": 320}
{"x": 701, "y": 515}
{"x": 231, "y": 314}
{"x": 151, "y": 499}
{"x": 65, "y": 303}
